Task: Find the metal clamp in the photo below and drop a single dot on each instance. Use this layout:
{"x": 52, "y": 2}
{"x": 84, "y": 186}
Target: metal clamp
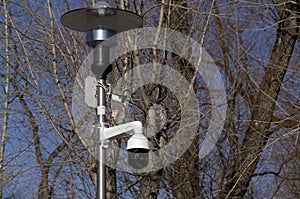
{"x": 106, "y": 87}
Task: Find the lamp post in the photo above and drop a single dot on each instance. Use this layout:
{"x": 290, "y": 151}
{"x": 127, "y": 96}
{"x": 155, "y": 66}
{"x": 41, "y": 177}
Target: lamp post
{"x": 99, "y": 23}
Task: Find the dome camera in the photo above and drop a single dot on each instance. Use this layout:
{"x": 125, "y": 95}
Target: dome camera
{"x": 138, "y": 148}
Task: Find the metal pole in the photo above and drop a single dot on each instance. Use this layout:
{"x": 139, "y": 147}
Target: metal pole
{"x": 101, "y": 168}
{"x": 101, "y": 173}
{"x": 100, "y": 68}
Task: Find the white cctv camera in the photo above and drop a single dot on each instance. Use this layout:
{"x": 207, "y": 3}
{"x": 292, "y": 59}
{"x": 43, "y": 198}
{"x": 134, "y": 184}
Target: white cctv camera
{"x": 138, "y": 148}
{"x": 137, "y": 145}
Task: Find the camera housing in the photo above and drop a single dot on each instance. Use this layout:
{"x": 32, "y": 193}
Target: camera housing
{"x": 138, "y": 151}
{"x": 137, "y": 145}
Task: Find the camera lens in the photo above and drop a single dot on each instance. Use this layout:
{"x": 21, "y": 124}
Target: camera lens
{"x": 138, "y": 158}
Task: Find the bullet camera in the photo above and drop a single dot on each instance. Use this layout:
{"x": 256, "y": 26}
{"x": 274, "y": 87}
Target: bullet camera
{"x": 138, "y": 151}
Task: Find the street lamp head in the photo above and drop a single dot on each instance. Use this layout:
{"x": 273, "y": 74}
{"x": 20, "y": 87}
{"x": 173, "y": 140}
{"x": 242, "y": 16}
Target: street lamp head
{"x": 101, "y": 16}
{"x": 99, "y": 23}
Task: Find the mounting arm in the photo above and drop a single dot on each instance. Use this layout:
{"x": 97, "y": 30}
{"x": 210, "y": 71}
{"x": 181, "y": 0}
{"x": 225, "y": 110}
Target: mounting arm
{"x": 116, "y": 131}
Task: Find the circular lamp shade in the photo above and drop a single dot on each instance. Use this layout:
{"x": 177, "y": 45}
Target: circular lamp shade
{"x": 85, "y": 19}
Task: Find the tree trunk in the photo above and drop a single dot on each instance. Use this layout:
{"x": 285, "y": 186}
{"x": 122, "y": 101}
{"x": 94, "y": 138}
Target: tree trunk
{"x": 6, "y": 97}
{"x": 185, "y": 179}
{"x": 258, "y": 131}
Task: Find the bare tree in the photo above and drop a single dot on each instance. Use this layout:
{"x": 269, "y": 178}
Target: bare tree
{"x": 264, "y": 103}
{"x": 256, "y": 48}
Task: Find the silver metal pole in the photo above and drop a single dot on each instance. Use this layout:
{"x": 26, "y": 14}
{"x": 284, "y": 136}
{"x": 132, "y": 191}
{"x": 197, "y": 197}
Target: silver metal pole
{"x": 100, "y": 68}
{"x": 101, "y": 172}
{"x": 101, "y": 168}
{"x": 101, "y": 177}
